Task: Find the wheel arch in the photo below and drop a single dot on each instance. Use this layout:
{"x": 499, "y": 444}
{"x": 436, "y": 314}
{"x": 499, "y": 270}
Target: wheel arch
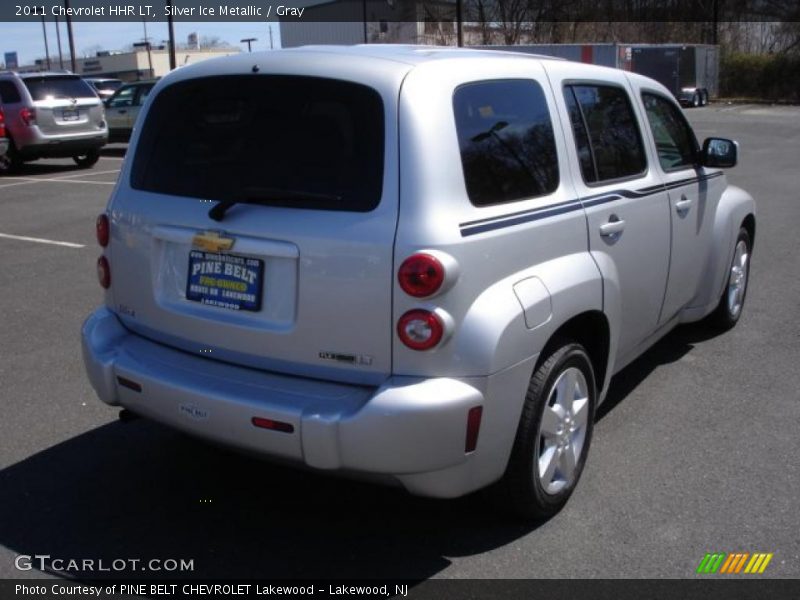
{"x": 749, "y": 223}
{"x": 736, "y": 209}
{"x": 590, "y": 329}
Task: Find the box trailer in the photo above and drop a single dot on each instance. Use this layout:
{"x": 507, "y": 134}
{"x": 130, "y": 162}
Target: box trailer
{"x": 689, "y": 71}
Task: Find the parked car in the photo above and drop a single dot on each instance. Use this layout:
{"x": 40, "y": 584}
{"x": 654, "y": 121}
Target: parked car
{"x": 52, "y": 115}
{"x": 417, "y": 264}
{"x": 105, "y": 87}
{"x": 123, "y": 108}
{"x": 3, "y": 141}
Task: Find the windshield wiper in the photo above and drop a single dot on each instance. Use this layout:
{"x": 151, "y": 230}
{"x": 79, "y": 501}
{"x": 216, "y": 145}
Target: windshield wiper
{"x": 268, "y": 196}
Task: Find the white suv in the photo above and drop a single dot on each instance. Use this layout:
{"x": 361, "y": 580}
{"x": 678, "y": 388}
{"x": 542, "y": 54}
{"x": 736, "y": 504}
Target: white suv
{"x": 413, "y": 263}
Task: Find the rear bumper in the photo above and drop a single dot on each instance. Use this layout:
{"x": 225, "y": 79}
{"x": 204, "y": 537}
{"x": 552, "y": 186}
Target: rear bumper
{"x": 412, "y": 429}
{"x": 34, "y": 144}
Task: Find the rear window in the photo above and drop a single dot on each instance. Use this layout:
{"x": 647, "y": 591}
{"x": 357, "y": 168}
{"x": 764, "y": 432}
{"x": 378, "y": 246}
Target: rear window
{"x": 508, "y": 151}
{"x": 8, "y": 92}
{"x": 107, "y": 86}
{"x": 42, "y": 88}
{"x": 302, "y": 142}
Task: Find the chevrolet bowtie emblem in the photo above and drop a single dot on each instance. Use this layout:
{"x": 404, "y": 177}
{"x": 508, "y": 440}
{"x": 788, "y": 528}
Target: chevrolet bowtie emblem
{"x": 212, "y": 241}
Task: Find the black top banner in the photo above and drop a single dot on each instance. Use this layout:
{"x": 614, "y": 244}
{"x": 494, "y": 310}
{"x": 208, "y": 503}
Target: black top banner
{"x": 402, "y": 10}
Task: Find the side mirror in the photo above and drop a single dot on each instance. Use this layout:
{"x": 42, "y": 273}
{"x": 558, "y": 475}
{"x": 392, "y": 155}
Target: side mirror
{"x": 719, "y": 152}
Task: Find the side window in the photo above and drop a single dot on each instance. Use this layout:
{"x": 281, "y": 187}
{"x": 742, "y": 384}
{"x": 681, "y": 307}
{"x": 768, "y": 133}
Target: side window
{"x": 585, "y": 156}
{"x": 144, "y": 91}
{"x": 123, "y": 98}
{"x": 505, "y": 135}
{"x": 9, "y": 92}
{"x": 675, "y": 141}
{"x": 603, "y": 118}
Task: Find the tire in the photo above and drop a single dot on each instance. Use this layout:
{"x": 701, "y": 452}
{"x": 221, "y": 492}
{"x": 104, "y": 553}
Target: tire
{"x": 696, "y": 100}
{"x": 11, "y": 163}
{"x": 731, "y": 304}
{"x": 552, "y": 444}
{"x": 87, "y": 160}
{"x": 704, "y": 99}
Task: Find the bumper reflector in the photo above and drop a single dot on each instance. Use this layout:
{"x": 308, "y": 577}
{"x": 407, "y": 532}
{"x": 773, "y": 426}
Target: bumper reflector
{"x": 131, "y": 385}
{"x": 273, "y": 425}
{"x": 473, "y": 427}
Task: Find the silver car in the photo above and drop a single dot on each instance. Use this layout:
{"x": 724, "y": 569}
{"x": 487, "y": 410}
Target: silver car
{"x": 51, "y": 115}
{"x": 122, "y": 109}
{"x": 421, "y": 265}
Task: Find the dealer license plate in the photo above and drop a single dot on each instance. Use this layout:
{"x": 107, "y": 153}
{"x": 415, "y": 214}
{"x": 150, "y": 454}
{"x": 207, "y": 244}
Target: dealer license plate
{"x": 225, "y": 280}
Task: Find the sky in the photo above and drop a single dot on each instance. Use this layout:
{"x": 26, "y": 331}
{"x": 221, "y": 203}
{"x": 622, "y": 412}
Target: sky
{"x": 27, "y": 39}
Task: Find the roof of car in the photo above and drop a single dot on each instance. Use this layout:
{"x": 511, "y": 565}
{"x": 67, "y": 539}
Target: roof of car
{"x": 47, "y": 74}
{"x": 381, "y": 60}
{"x": 417, "y": 54}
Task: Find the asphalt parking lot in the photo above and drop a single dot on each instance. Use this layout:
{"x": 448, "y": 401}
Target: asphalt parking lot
{"x": 696, "y": 449}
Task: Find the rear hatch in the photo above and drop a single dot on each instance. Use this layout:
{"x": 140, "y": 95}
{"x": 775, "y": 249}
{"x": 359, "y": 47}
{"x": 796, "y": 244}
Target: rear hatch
{"x": 65, "y": 104}
{"x": 296, "y": 276}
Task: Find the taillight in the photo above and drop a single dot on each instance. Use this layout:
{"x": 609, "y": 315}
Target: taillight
{"x": 28, "y": 115}
{"x": 421, "y": 275}
{"x": 420, "y": 329}
{"x": 102, "y": 229}
{"x": 2, "y": 124}
{"x": 103, "y": 272}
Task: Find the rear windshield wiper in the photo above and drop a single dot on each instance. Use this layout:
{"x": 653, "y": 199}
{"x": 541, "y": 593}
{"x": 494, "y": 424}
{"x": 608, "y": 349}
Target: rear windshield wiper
{"x": 268, "y": 196}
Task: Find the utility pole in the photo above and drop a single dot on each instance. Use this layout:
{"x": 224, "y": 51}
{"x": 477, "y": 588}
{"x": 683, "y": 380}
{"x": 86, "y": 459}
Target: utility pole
{"x": 71, "y": 38}
{"x": 58, "y": 39}
{"x": 248, "y": 41}
{"x": 172, "y": 61}
{"x": 146, "y": 44}
{"x": 459, "y": 22}
{"x": 46, "y": 48}
{"x": 364, "y": 5}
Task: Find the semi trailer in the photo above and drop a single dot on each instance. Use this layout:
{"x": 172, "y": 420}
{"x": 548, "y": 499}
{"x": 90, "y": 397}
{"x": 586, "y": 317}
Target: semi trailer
{"x": 689, "y": 71}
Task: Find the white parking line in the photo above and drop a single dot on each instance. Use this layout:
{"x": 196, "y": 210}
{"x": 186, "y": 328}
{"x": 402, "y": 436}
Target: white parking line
{"x": 53, "y": 180}
{"x": 89, "y": 173}
{"x": 23, "y": 238}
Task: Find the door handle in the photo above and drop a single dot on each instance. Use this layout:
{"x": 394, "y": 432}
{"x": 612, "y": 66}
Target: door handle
{"x": 121, "y": 112}
{"x": 614, "y": 227}
{"x": 683, "y": 205}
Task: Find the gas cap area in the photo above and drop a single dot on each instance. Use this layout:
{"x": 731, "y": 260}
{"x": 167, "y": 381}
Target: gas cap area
{"x": 535, "y": 300}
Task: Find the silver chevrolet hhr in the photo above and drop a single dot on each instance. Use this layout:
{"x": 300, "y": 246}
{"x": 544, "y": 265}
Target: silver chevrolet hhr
{"x": 414, "y": 263}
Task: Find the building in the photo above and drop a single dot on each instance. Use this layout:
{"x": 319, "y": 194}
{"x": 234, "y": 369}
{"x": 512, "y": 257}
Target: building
{"x": 368, "y": 22}
{"x": 137, "y": 65}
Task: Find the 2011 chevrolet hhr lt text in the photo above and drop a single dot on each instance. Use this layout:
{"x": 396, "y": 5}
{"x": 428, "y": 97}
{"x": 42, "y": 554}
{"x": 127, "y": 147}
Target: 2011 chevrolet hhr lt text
{"x": 414, "y": 263}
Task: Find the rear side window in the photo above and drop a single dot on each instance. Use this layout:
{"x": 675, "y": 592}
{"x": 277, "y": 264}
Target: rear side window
{"x": 302, "y": 142}
{"x": 124, "y": 97}
{"x": 606, "y": 134}
{"x": 675, "y": 141}
{"x": 42, "y": 88}
{"x": 505, "y": 135}
{"x": 9, "y": 93}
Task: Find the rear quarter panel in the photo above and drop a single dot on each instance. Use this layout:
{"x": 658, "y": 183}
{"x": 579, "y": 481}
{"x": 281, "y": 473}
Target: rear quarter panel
{"x": 496, "y": 246}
